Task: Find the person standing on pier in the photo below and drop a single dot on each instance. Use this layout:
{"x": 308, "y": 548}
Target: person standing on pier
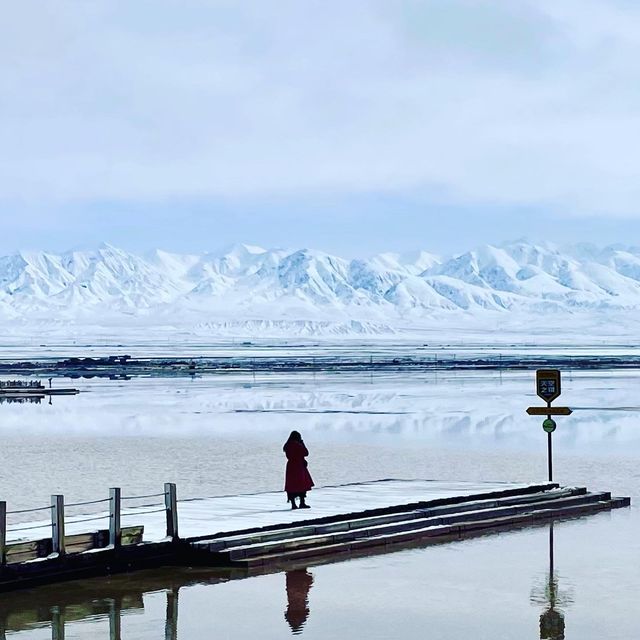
{"x": 297, "y": 477}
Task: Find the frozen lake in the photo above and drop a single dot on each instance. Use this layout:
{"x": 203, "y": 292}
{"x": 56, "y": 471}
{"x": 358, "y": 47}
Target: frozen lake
{"x": 223, "y": 434}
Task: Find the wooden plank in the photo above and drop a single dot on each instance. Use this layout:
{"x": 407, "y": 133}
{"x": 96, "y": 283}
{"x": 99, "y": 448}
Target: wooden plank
{"x": 81, "y": 542}
{"x": 77, "y": 543}
{"x": 20, "y": 548}
{"x": 23, "y": 557}
{"x": 535, "y": 500}
{"x": 400, "y": 533}
{"x": 81, "y": 538}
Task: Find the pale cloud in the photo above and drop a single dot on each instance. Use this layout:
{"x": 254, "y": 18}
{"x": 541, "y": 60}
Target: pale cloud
{"x": 530, "y": 103}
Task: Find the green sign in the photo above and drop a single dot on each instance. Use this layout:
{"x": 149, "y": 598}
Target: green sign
{"x": 549, "y": 425}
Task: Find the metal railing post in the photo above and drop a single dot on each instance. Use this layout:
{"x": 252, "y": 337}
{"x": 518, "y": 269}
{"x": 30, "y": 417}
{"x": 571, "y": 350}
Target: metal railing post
{"x": 115, "y": 531}
{"x": 3, "y": 533}
{"x": 57, "y": 524}
{"x": 171, "y": 506}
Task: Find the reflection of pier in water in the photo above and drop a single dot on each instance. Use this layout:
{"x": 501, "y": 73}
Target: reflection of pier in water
{"x": 19, "y": 399}
{"x": 56, "y": 606}
{"x": 32, "y": 391}
{"x": 98, "y": 599}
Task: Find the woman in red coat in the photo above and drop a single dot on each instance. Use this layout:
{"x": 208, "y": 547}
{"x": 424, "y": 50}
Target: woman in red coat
{"x": 297, "y": 478}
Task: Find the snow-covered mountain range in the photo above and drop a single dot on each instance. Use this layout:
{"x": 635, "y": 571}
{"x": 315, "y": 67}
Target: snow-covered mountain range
{"x": 274, "y": 291}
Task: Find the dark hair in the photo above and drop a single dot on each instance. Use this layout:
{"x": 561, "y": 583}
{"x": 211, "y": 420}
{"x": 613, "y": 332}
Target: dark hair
{"x": 294, "y": 436}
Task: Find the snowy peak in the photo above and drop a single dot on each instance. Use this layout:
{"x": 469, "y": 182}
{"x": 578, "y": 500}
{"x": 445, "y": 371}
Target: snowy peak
{"x": 414, "y": 262}
{"x": 320, "y": 277}
{"x": 304, "y": 285}
{"x": 418, "y": 261}
{"x": 175, "y": 263}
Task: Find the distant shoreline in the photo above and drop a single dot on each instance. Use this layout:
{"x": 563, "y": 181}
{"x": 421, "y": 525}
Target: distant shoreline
{"x": 123, "y": 367}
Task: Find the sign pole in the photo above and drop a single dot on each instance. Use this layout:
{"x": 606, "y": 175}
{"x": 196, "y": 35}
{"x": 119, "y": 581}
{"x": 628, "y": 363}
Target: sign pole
{"x": 549, "y": 450}
{"x": 548, "y": 388}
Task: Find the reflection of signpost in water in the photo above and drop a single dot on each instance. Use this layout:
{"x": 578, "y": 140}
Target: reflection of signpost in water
{"x": 548, "y": 388}
{"x": 552, "y": 621}
{"x": 548, "y": 595}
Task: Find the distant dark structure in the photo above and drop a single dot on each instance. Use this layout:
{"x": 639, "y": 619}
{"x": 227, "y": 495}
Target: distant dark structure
{"x": 30, "y": 390}
{"x": 20, "y": 385}
{"x": 109, "y": 360}
{"x": 34, "y": 399}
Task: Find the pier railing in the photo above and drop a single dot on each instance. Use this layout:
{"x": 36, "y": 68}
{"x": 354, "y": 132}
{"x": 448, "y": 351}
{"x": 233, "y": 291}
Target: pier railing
{"x": 62, "y": 544}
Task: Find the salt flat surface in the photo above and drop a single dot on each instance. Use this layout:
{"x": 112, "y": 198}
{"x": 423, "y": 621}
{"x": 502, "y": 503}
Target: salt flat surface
{"x": 206, "y": 516}
{"x": 218, "y": 435}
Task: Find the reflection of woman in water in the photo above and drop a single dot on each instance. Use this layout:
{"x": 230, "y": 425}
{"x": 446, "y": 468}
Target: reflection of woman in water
{"x": 297, "y": 478}
{"x": 298, "y": 584}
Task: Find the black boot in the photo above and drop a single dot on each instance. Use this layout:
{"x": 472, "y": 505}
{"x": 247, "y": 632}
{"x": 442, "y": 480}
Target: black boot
{"x": 293, "y": 503}
{"x": 303, "y": 504}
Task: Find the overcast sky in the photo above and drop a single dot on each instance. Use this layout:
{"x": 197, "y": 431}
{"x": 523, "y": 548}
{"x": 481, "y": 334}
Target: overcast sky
{"x": 347, "y": 125}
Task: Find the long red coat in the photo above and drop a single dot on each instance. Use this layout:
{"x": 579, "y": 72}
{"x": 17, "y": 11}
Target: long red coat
{"x": 297, "y": 477}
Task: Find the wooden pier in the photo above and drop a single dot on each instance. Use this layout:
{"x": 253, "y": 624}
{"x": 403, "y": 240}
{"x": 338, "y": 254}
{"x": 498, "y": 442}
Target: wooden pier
{"x": 16, "y": 389}
{"x": 254, "y": 531}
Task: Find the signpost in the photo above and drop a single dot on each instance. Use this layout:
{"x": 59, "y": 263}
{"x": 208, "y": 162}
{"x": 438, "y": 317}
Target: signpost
{"x": 548, "y": 387}
{"x": 548, "y": 384}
